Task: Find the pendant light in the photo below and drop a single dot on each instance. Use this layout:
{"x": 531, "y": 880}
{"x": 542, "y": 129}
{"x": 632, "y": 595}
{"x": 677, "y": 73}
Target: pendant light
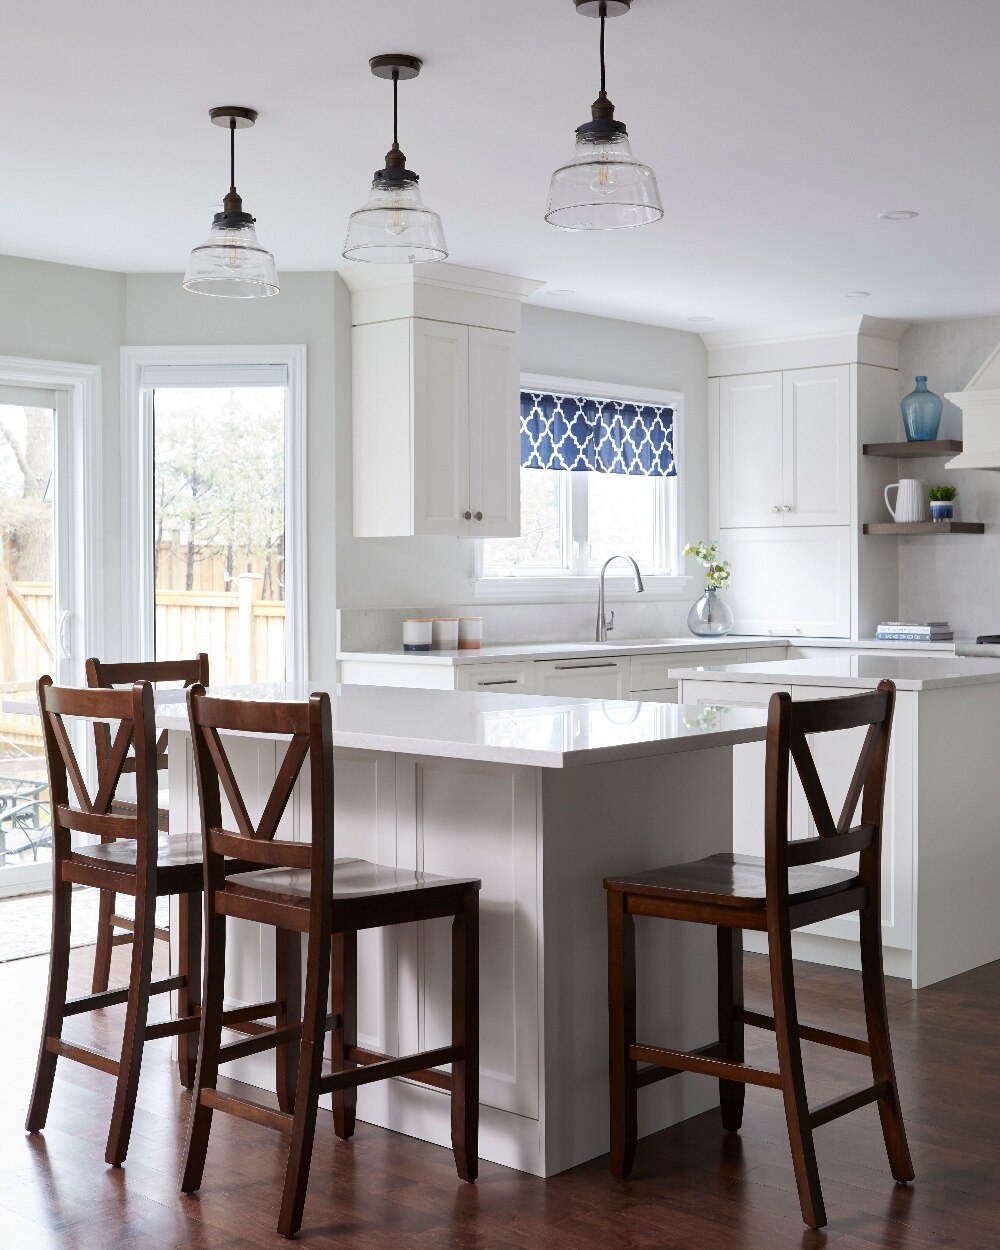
{"x": 395, "y": 227}
{"x": 603, "y": 186}
{"x": 231, "y": 262}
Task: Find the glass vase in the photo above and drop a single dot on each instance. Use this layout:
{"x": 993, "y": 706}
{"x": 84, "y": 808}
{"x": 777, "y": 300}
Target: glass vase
{"x": 710, "y": 617}
{"x": 921, "y": 413}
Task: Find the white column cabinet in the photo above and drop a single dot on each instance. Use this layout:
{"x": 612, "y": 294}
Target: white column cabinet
{"x": 439, "y": 369}
{"x": 494, "y": 433}
{"x": 751, "y": 486}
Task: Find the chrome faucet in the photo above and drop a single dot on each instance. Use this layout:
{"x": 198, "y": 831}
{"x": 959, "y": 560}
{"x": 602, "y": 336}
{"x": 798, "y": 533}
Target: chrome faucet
{"x": 604, "y": 626}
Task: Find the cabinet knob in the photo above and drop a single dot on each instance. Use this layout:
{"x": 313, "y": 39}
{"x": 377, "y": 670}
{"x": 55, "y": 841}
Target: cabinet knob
{"x": 479, "y": 516}
{"x": 466, "y": 516}
{"x": 775, "y": 508}
{"x": 786, "y": 507}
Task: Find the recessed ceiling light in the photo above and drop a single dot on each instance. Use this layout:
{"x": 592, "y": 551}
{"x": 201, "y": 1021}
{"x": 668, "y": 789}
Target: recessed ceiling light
{"x": 899, "y": 214}
{"x": 700, "y": 319}
{"x": 857, "y": 294}
{"x": 559, "y": 292}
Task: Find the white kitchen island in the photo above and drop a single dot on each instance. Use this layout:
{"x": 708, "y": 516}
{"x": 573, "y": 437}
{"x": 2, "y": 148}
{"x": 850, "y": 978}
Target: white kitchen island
{"x": 941, "y": 838}
{"x": 541, "y": 798}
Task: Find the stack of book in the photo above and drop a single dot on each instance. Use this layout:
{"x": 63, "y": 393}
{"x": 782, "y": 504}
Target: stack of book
{"x": 914, "y": 631}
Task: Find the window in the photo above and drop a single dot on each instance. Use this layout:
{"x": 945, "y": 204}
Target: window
{"x": 220, "y": 545}
{"x": 614, "y": 488}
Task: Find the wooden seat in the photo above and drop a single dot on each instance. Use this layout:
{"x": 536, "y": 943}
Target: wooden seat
{"x": 301, "y": 888}
{"x": 133, "y": 858}
{"x": 114, "y": 929}
{"x": 786, "y": 889}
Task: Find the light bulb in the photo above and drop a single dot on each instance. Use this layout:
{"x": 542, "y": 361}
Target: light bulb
{"x": 602, "y": 181}
{"x": 397, "y": 222}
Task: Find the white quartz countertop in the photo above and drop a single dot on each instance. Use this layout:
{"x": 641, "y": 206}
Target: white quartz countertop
{"x": 507, "y": 729}
{"x": 561, "y": 650}
{"x": 855, "y": 672}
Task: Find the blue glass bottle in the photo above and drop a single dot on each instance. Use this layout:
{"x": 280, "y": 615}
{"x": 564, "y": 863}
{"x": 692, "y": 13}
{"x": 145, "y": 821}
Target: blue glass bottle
{"x": 921, "y": 413}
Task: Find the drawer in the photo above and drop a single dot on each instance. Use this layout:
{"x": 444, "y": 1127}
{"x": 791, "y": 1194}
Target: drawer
{"x": 652, "y": 672}
{"x": 666, "y": 694}
{"x": 591, "y": 678}
{"x": 500, "y": 678}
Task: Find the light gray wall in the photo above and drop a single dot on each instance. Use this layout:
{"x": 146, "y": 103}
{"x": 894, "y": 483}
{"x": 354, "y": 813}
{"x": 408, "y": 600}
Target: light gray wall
{"x": 954, "y": 576}
{"x": 158, "y": 311}
{"x": 428, "y": 572}
{"x": 60, "y": 312}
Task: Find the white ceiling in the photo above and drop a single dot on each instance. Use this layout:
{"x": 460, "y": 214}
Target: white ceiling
{"x": 779, "y": 130}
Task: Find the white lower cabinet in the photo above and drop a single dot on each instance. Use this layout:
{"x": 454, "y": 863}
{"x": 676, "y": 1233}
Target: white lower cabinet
{"x": 588, "y": 679}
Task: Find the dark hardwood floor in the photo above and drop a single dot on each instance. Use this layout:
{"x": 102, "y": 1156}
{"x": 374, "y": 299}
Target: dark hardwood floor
{"x": 694, "y": 1188}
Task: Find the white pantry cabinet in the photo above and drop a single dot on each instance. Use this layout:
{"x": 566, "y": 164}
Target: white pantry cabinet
{"x": 784, "y": 448}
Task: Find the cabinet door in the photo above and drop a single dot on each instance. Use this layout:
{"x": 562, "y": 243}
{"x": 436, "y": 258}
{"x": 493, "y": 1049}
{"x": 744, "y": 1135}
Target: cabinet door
{"x": 652, "y": 671}
{"x": 440, "y": 356}
{"x": 794, "y": 581}
{"x": 494, "y": 434}
{"x": 585, "y": 679}
{"x": 750, "y": 458}
{"x": 816, "y": 474}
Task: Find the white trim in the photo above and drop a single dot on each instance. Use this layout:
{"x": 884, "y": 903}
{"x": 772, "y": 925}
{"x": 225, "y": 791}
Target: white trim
{"x": 804, "y": 331}
{"x": 573, "y": 586}
{"x": 81, "y": 386}
{"x": 137, "y": 517}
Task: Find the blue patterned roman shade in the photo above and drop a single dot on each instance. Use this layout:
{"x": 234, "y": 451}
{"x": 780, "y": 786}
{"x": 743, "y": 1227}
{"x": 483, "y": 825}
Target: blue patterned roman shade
{"x": 589, "y": 435}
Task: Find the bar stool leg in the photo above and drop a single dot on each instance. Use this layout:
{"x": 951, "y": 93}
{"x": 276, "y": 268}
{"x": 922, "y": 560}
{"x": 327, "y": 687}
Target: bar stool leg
{"x": 189, "y": 995}
{"x": 344, "y": 964}
{"x": 288, "y": 992}
{"x": 732, "y": 1094}
{"x": 793, "y": 1086}
{"x": 136, "y": 1013}
{"x": 293, "y": 1197}
{"x": 105, "y": 945}
{"x": 877, "y": 1019}
{"x": 621, "y": 1014}
{"x": 465, "y": 1033}
{"x": 45, "y": 1072}
{"x": 209, "y": 1041}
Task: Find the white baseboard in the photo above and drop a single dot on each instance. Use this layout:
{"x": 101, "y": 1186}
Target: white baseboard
{"x": 835, "y": 952}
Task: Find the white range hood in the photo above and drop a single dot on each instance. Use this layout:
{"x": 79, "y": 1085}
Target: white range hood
{"x": 980, "y": 405}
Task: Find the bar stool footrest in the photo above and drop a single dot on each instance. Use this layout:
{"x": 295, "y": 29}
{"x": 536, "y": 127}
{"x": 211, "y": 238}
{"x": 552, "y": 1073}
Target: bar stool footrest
{"x": 380, "y": 1067}
{"x": 840, "y": 1041}
{"x": 837, "y": 1107}
{"x": 706, "y": 1062}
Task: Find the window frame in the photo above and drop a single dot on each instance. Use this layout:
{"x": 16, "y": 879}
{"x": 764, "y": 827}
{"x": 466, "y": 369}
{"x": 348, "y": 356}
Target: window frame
{"x": 577, "y": 584}
{"x": 213, "y": 362}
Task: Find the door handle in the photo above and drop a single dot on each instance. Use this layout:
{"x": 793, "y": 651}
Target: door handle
{"x": 478, "y": 516}
{"x": 502, "y": 681}
{"x": 467, "y": 515}
{"x": 64, "y": 623}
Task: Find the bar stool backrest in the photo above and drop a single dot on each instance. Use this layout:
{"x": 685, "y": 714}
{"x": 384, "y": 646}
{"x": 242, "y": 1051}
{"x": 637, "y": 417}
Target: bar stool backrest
{"x": 134, "y": 713}
{"x": 788, "y": 724}
{"x": 310, "y": 729}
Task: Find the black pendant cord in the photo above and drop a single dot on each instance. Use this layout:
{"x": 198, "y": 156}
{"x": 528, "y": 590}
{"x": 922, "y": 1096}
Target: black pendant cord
{"x": 395, "y": 108}
{"x": 232, "y": 155}
{"x": 603, "y": 15}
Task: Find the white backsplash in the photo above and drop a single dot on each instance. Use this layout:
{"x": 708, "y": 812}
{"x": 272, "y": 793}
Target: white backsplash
{"x": 380, "y": 629}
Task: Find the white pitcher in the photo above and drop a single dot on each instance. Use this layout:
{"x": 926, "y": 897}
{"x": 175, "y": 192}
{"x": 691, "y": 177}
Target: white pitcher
{"x": 910, "y": 500}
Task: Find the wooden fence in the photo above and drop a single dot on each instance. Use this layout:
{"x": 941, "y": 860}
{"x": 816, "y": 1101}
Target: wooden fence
{"x": 243, "y": 635}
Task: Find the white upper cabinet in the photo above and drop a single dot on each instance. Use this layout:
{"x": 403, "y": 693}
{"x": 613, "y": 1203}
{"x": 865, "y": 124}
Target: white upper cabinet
{"x": 816, "y": 445}
{"x": 436, "y": 379}
{"x": 785, "y": 448}
{"x": 750, "y": 458}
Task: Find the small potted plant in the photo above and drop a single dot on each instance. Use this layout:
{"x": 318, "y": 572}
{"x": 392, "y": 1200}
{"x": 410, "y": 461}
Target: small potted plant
{"x": 942, "y": 501}
{"x": 710, "y": 617}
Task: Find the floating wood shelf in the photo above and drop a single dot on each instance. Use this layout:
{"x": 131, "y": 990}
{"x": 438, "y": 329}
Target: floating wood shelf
{"x": 925, "y": 527}
{"x": 914, "y": 450}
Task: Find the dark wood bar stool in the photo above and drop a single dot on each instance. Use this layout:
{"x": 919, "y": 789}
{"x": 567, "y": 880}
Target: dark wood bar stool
{"x": 132, "y": 858}
{"x": 303, "y": 889}
{"x": 112, "y": 929}
{"x": 781, "y": 892}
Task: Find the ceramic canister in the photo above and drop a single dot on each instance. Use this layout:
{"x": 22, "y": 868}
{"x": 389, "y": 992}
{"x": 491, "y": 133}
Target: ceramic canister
{"x": 417, "y": 634}
{"x": 470, "y": 633}
{"x": 445, "y": 633}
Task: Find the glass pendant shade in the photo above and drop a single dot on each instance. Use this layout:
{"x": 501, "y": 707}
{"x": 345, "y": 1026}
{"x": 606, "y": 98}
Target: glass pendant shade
{"x": 231, "y": 263}
{"x": 395, "y": 227}
{"x": 603, "y": 187}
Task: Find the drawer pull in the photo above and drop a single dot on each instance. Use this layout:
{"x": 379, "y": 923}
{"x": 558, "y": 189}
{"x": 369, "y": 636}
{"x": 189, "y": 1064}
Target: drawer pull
{"x": 573, "y": 666}
{"x": 500, "y": 681}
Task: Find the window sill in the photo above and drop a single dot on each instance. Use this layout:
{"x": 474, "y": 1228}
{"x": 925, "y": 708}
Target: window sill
{"x": 563, "y": 589}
